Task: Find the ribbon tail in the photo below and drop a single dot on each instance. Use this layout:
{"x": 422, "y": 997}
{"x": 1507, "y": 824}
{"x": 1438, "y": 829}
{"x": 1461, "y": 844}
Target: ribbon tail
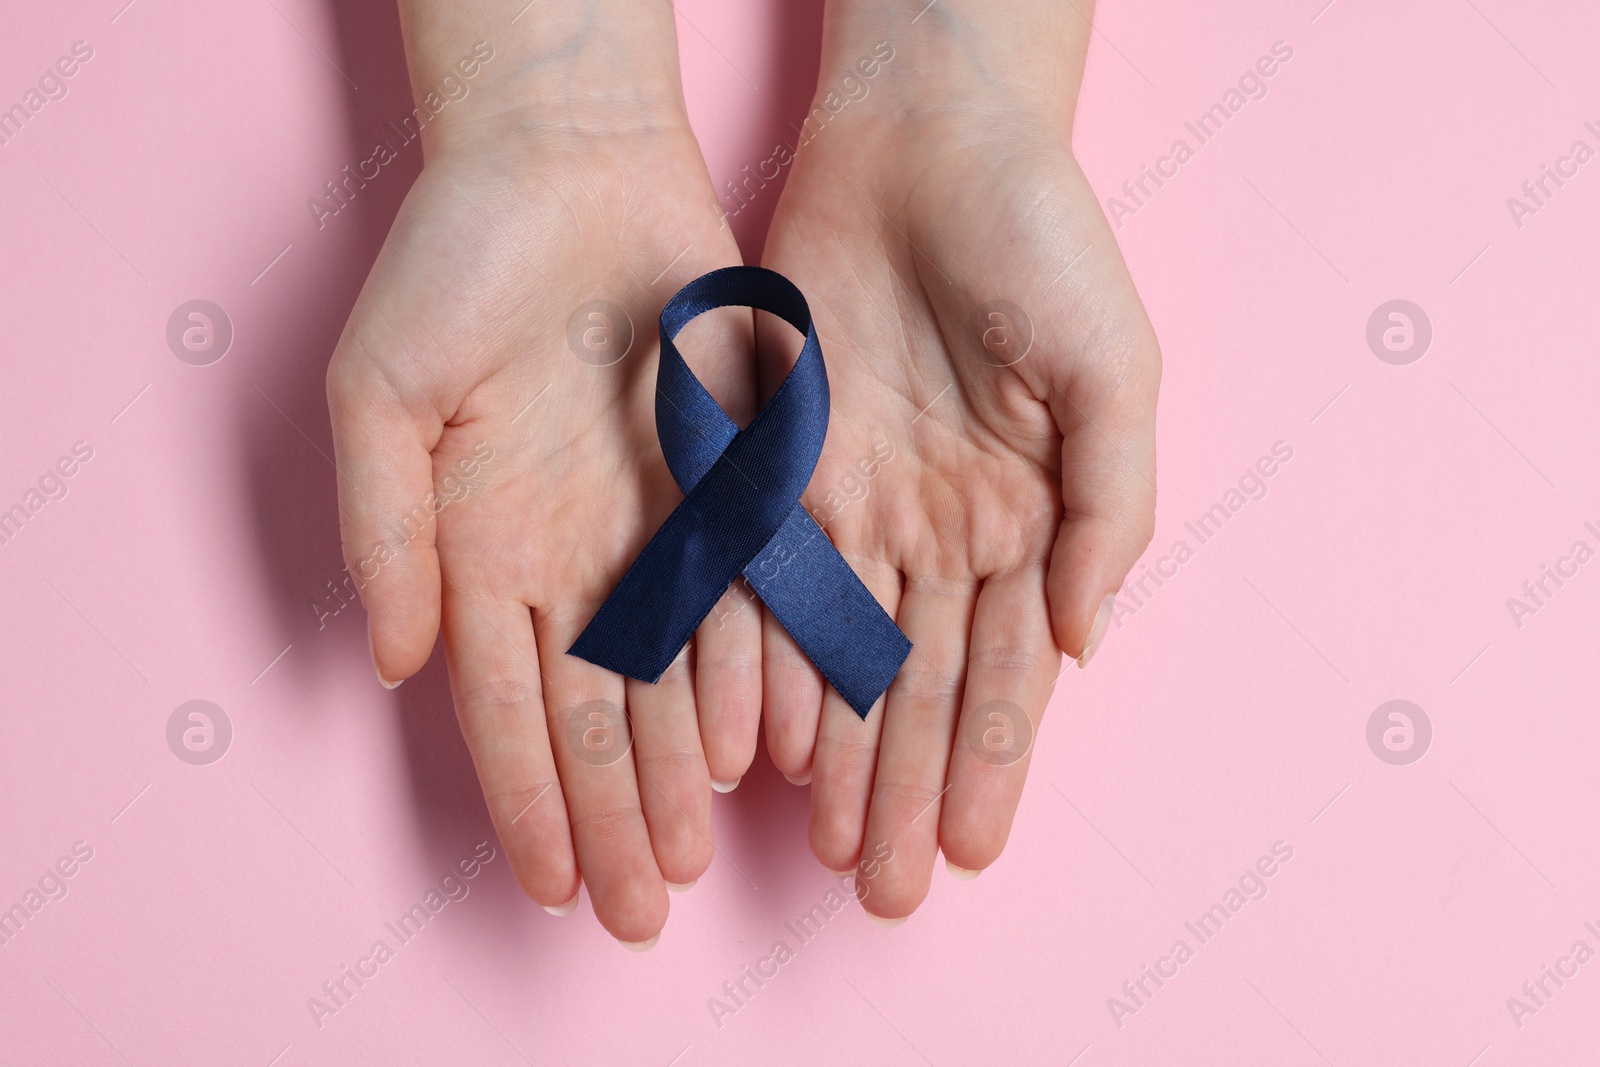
{"x": 832, "y": 616}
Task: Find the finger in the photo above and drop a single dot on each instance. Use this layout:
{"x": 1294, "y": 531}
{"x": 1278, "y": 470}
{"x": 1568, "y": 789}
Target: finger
{"x": 1012, "y": 667}
{"x": 382, "y": 442}
{"x": 847, "y": 752}
{"x": 593, "y": 742}
{"x": 494, "y": 678}
{"x": 1108, "y": 478}
{"x": 674, "y": 787}
{"x": 727, "y": 684}
{"x": 902, "y": 831}
{"x": 791, "y": 701}
{"x": 727, "y": 645}
{"x": 791, "y": 686}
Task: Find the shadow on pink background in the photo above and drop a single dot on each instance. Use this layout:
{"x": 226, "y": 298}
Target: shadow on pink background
{"x": 1226, "y": 718}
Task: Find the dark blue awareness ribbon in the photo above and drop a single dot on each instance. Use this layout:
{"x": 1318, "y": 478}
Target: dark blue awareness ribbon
{"x": 741, "y": 513}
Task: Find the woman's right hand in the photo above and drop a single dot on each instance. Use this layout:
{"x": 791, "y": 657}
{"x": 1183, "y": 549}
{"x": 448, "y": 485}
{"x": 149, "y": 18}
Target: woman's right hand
{"x": 481, "y": 369}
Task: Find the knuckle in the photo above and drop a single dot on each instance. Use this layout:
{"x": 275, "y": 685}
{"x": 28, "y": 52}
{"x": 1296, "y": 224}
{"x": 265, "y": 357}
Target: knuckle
{"x": 730, "y": 662}
{"x": 852, "y": 758}
{"x": 924, "y": 686}
{"x": 915, "y": 797}
{"x": 608, "y": 822}
{"x": 517, "y": 806}
{"x": 959, "y": 588}
{"x": 501, "y": 691}
{"x": 671, "y": 768}
{"x": 1011, "y": 658}
{"x": 499, "y": 694}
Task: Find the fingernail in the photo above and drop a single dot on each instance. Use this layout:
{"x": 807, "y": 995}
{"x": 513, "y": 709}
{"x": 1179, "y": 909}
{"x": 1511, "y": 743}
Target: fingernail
{"x": 798, "y": 779}
{"x": 840, "y": 874}
{"x": 682, "y": 887}
{"x": 564, "y": 909}
{"x": 887, "y": 924}
{"x": 726, "y": 787}
{"x": 373, "y": 652}
{"x": 961, "y": 872}
{"x": 640, "y": 946}
{"x": 1097, "y": 630}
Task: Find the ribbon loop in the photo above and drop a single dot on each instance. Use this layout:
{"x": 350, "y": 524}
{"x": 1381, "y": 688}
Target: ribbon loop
{"x": 741, "y": 513}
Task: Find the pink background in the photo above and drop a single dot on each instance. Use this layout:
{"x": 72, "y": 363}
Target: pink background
{"x": 1227, "y": 713}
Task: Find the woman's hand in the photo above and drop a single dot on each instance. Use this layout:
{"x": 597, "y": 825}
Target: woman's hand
{"x": 990, "y": 464}
{"x": 501, "y": 359}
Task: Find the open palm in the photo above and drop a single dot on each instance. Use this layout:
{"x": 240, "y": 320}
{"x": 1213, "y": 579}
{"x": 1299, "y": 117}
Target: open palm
{"x": 989, "y": 471}
{"x": 501, "y": 358}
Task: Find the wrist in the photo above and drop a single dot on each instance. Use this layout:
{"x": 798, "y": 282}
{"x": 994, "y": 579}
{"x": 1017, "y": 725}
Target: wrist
{"x": 958, "y": 61}
{"x": 486, "y": 78}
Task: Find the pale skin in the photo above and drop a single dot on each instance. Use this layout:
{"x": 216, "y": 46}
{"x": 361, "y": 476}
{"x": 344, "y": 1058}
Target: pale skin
{"x": 1017, "y": 499}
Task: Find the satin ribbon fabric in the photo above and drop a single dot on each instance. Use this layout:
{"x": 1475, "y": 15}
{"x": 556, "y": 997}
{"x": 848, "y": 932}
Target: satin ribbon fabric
{"x": 741, "y": 514}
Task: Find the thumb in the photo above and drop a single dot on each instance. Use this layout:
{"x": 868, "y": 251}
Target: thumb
{"x": 383, "y": 444}
{"x": 1106, "y": 414}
